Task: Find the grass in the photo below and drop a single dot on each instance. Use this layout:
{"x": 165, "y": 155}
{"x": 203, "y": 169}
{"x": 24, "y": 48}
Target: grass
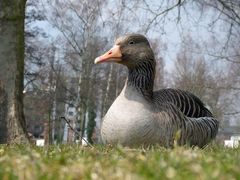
{"x": 76, "y": 162}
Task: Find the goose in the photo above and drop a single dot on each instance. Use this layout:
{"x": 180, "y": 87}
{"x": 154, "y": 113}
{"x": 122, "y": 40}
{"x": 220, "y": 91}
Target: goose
{"x": 140, "y": 116}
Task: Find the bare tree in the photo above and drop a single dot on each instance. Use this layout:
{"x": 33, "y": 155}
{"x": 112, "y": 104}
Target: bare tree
{"x": 34, "y": 43}
{"x": 90, "y": 27}
{"x": 191, "y": 72}
{"x": 77, "y": 24}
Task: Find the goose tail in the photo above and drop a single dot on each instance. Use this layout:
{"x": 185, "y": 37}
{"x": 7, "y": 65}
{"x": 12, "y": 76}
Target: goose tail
{"x": 200, "y": 131}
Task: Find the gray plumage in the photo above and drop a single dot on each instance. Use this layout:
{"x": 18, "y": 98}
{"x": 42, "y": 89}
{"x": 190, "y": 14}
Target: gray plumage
{"x": 141, "y": 116}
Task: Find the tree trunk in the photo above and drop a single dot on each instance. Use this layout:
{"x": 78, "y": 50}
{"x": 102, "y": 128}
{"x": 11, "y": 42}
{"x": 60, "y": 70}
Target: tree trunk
{"x": 12, "y": 125}
{"x": 105, "y": 101}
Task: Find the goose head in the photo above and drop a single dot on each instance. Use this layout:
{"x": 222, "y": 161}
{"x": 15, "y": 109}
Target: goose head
{"x": 130, "y": 50}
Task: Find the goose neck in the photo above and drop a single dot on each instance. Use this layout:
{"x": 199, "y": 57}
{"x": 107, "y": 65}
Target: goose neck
{"x": 141, "y": 77}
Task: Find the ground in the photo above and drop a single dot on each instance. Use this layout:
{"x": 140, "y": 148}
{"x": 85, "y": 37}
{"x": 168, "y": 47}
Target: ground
{"x": 76, "y": 162}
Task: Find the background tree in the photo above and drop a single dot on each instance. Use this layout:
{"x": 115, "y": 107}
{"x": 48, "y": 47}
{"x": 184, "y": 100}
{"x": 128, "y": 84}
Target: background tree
{"x": 13, "y": 127}
{"x": 81, "y": 46}
{"x": 195, "y": 44}
{"x": 192, "y": 73}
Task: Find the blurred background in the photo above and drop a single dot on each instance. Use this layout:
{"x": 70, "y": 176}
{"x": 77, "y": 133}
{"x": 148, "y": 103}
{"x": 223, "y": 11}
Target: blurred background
{"x": 196, "y": 45}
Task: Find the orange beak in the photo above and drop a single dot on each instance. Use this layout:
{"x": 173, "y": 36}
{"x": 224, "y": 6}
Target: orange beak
{"x": 113, "y": 55}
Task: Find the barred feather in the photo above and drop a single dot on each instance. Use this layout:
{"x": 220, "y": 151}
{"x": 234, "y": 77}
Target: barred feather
{"x": 184, "y": 111}
{"x": 194, "y": 131}
{"x": 188, "y": 103}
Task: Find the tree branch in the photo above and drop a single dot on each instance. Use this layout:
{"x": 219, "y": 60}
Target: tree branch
{"x": 178, "y": 4}
{"x": 76, "y": 132}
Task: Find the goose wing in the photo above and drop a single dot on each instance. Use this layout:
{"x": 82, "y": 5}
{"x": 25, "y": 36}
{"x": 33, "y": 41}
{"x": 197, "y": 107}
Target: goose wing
{"x": 193, "y": 131}
{"x": 189, "y": 104}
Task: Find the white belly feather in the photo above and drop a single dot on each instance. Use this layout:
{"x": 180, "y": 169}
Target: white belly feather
{"x": 128, "y": 121}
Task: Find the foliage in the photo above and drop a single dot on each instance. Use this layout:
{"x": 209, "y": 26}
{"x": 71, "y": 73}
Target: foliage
{"x": 91, "y": 124}
{"x": 76, "y": 162}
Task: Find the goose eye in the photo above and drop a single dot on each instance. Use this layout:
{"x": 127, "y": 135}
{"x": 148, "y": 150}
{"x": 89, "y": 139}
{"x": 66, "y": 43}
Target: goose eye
{"x": 131, "y": 42}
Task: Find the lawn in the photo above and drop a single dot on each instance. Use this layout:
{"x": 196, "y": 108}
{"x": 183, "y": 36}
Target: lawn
{"x": 76, "y": 162}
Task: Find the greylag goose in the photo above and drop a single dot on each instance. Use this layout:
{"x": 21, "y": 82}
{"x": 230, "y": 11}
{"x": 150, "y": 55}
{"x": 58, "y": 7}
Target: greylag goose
{"x": 140, "y": 116}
